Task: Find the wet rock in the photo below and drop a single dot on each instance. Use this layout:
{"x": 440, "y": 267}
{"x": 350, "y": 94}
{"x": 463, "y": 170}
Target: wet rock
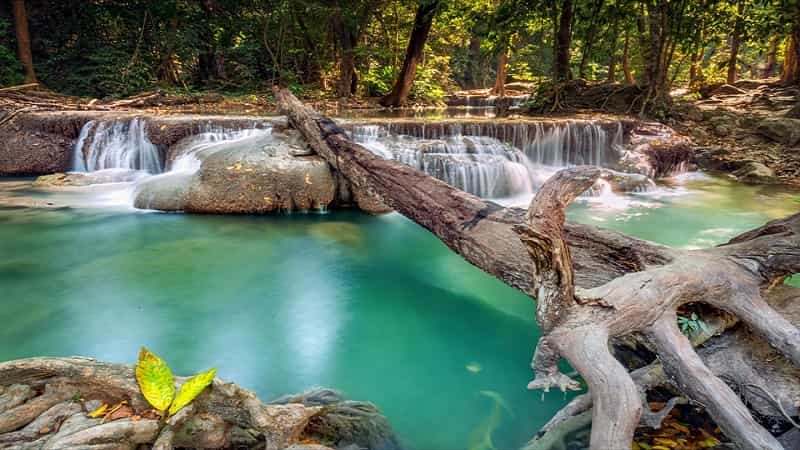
{"x": 85, "y": 179}
{"x": 755, "y": 172}
{"x": 780, "y": 129}
{"x": 629, "y": 182}
{"x": 258, "y": 174}
{"x": 165, "y": 192}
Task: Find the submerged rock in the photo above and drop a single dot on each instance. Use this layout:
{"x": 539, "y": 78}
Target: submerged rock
{"x": 87, "y": 178}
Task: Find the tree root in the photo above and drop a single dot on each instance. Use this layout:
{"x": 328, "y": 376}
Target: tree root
{"x": 223, "y": 416}
{"x": 592, "y": 286}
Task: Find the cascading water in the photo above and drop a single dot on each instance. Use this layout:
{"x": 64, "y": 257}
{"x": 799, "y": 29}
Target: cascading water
{"x": 116, "y": 144}
{"x": 500, "y": 159}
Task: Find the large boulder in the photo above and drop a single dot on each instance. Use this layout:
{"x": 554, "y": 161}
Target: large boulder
{"x": 781, "y": 129}
{"x": 257, "y": 174}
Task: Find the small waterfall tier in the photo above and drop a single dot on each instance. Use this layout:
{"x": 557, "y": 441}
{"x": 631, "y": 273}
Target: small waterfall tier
{"x": 495, "y": 159}
{"x": 116, "y": 144}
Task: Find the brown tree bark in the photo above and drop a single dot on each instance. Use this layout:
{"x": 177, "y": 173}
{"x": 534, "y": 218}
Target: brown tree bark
{"x": 346, "y": 38}
{"x": 563, "y": 42}
{"x": 211, "y": 62}
{"x": 166, "y": 69}
{"x": 626, "y": 60}
{"x": 771, "y": 62}
{"x": 23, "y": 39}
{"x": 791, "y": 60}
{"x": 500, "y": 77}
{"x": 592, "y": 286}
{"x": 416, "y": 45}
{"x": 736, "y": 37}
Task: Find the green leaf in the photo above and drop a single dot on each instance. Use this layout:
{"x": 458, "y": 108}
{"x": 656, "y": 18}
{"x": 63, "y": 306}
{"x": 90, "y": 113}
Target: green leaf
{"x": 155, "y": 380}
{"x": 684, "y": 327}
{"x": 191, "y": 389}
{"x": 704, "y": 326}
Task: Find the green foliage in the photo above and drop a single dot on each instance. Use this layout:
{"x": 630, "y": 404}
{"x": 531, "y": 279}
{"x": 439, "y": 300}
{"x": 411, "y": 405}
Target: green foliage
{"x": 191, "y": 389}
{"x": 10, "y": 68}
{"x": 155, "y": 380}
{"x": 158, "y": 384}
{"x": 378, "y": 80}
{"x": 692, "y": 325}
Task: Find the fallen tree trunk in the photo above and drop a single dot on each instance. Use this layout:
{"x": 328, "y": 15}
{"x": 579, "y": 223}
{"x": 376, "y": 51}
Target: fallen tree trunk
{"x": 592, "y": 286}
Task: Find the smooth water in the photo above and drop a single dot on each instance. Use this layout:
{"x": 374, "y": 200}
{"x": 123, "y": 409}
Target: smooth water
{"x": 374, "y": 306}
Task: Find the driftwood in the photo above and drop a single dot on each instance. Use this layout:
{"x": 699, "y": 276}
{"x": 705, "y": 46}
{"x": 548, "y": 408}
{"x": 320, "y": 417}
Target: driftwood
{"x": 594, "y": 286}
{"x": 44, "y": 404}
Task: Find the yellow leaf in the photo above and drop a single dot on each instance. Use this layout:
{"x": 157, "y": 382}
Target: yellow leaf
{"x": 99, "y": 411}
{"x": 191, "y": 389}
{"x": 155, "y": 380}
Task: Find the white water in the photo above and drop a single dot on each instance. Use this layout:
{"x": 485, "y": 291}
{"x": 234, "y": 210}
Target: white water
{"x": 506, "y": 160}
{"x": 117, "y": 144}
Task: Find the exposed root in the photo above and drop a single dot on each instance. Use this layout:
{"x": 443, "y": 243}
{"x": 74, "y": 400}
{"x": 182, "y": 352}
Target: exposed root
{"x": 221, "y": 417}
{"x": 635, "y": 287}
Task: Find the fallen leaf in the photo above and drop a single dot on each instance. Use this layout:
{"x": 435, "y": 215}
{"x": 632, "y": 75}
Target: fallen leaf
{"x": 99, "y": 411}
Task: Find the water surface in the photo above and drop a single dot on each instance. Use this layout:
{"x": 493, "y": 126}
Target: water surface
{"x": 373, "y": 306}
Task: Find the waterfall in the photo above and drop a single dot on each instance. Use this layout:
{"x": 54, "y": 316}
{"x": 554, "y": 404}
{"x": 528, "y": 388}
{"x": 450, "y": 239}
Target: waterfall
{"x": 494, "y": 159}
{"x": 119, "y": 144}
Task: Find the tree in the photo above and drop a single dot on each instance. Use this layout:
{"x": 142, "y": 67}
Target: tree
{"x": 736, "y": 36}
{"x": 791, "y": 60}
{"x": 588, "y": 44}
{"x": 593, "y": 286}
{"x": 23, "y": 39}
{"x": 562, "y": 21}
{"x": 416, "y": 45}
{"x": 771, "y": 62}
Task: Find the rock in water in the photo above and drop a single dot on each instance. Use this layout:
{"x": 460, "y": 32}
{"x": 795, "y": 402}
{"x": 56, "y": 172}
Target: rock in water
{"x": 781, "y": 129}
{"x": 755, "y": 172}
{"x": 87, "y": 178}
{"x": 255, "y": 174}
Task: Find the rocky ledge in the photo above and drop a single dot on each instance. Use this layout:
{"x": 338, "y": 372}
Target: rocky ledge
{"x": 45, "y": 404}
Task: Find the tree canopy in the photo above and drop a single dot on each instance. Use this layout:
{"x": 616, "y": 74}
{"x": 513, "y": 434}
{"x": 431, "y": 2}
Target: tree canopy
{"x": 103, "y": 48}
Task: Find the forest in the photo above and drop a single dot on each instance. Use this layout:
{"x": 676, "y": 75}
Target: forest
{"x": 375, "y": 48}
{"x": 400, "y": 224}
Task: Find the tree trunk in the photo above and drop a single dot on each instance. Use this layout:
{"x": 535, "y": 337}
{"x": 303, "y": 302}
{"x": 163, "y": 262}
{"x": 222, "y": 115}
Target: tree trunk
{"x": 500, "y": 78}
{"x": 772, "y": 58}
{"x": 211, "y": 64}
{"x": 791, "y": 60}
{"x": 563, "y": 42}
{"x": 23, "y": 39}
{"x": 166, "y": 70}
{"x": 416, "y": 45}
{"x": 627, "y": 287}
{"x": 626, "y": 60}
{"x": 695, "y": 70}
{"x": 347, "y": 43}
{"x": 736, "y": 37}
{"x": 473, "y": 67}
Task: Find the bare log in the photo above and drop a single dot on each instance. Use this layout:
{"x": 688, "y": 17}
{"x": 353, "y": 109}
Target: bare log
{"x": 592, "y": 285}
